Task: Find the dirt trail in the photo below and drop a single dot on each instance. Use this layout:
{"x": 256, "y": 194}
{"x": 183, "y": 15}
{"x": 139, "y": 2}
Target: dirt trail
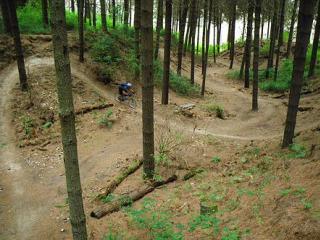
{"x": 26, "y": 201}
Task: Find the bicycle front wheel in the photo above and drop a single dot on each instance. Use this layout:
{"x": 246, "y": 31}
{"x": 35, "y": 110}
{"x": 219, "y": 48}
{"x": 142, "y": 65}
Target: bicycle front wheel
{"x": 132, "y": 103}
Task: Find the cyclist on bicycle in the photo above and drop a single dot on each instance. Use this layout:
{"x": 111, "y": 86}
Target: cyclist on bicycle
{"x": 125, "y": 91}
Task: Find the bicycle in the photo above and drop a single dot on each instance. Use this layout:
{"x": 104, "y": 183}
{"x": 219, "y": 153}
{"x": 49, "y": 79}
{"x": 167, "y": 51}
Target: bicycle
{"x": 130, "y": 100}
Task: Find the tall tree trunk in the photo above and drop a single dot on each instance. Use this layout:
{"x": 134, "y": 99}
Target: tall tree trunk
{"x": 126, "y": 13}
{"x": 280, "y": 40}
{"x": 229, "y": 33}
{"x": 103, "y": 15}
{"x": 232, "y": 36}
{"x": 256, "y": 47}
{"x": 113, "y": 13}
{"x": 186, "y": 38}
{"x": 89, "y": 12}
{"x": 305, "y": 20}
{"x": 244, "y": 27}
{"x": 159, "y": 27}
{"x": 315, "y": 45}
{"x": 45, "y": 19}
{"x": 182, "y": 27}
{"x": 268, "y": 28}
{"x": 248, "y": 45}
{"x": 6, "y": 17}
{"x": 293, "y": 20}
{"x": 81, "y": 30}
{"x": 198, "y": 28}
{"x": 193, "y": 36}
{"x": 219, "y": 30}
{"x": 11, "y": 6}
{"x": 147, "y": 87}
{"x": 204, "y": 28}
{"x": 137, "y": 23}
{"x": 94, "y": 14}
{"x": 215, "y": 25}
{"x": 273, "y": 37}
{"x": 203, "y": 87}
{"x": 262, "y": 27}
{"x": 166, "y": 58}
{"x": 67, "y": 119}
{"x": 72, "y": 6}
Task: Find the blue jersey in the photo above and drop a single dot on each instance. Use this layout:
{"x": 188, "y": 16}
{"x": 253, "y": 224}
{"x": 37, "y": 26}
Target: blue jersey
{"x": 124, "y": 86}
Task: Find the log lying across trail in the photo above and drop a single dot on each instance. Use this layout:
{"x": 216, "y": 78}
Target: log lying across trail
{"x": 134, "y": 166}
{"x": 128, "y": 199}
{"x": 92, "y": 108}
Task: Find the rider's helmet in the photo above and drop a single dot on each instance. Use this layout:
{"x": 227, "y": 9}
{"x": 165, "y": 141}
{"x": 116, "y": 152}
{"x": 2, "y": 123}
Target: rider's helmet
{"x": 129, "y": 85}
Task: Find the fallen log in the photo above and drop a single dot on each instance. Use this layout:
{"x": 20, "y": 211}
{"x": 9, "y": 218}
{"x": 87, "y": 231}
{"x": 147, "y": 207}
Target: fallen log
{"x": 135, "y": 165}
{"x": 92, "y": 108}
{"x": 128, "y": 199}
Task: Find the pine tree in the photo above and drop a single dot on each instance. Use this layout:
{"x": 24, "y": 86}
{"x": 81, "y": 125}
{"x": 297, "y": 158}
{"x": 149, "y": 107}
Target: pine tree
{"x": 182, "y": 26}
{"x": 137, "y": 24}
{"x": 45, "y": 19}
{"x": 147, "y": 87}
{"x": 293, "y": 20}
{"x": 315, "y": 45}
{"x": 103, "y": 15}
{"x": 248, "y": 45}
{"x": 159, "y": 27}
{"x": 193, "y": 19}
{"x": 67, "y": 119}
{"x": 167, "y": 49}
{"x": 232, "y": 33}
{"x": 81, "y": 30}
{"x": 305, "y": 20}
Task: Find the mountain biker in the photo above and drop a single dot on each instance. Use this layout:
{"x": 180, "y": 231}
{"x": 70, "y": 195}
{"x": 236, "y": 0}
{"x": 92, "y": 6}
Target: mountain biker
{"x": 125, "y": 90}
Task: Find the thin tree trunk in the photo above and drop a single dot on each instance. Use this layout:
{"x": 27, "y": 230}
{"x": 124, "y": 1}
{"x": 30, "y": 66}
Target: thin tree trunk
{"x": 315, "y": 45}
{"x": 81, "y": 30}
{"x": 187, "y": 38}
{"x": 147, "y": 87}
{"x": 256, "y": 47}
{"x": 274, "y": 31}
{"x": 293, "y": 20}
{"x": 6, "y": 17}
{"x": 67, "y": 120}
{"x": 137, "y": 25}
{"x": 126, "y": 14}
{"x": 219, "y": 31}
{"x": 159, "y": 27}
{"x": 94, "y": 13}
{"x": 166, "y": 58}
{"x": 268, "y": 29}
{"x": 248, "y": 45}
{"x": 203, "y": 87}
{"x": 181, "y": 34}
{"x": 103, "y": 15}
{"x": 232, "y": 36}
{"x": 113, "y": 13}
{"x": 193, "y": 36}
{"x": 45, "y": 19}
{"x": 11, "y": 6}
{"x": 72, "y": 6}
{"x": 280, "y": 41}
{"x": 305, "y": 20}
{"x": 204, "y": 28}
{"x": 262, "y": 27}
{"x": 244, "y": 27}
{"x": 198, "y": 28}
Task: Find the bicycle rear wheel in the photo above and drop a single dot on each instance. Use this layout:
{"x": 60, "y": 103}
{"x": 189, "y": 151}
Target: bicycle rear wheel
{"x": 132, "y": 102}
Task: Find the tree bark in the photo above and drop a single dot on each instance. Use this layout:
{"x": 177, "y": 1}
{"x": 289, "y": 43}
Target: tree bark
{"x": 137, "y": 23}
{"x": 204, "y": 28}
{"x": 248, "y": 45}
{"x": 315, "y": 45}
{"x": 103, "y": 15}
{"x": 94, "y": 14}
{"x": 6, "y": 17}
{"x": 305, "y": 20}
{"x": 273, "y": 37}
{"x": 159, "y": 27}
{"x": 67, "y": 119}
{"x": 113, "y": 13}
{"x": 166, "y": 59}
{"x": 293, "y": 20}
{"x": 182, "y": 27}
{"x": 232, "y": 36}
{"x": 45, "y": 19}
{"x": 147, "y": 87}
{"x": 11, "y": 6}
{"x": 126, "y": 14}
{"x": 81, "y": 30}
{"x": 256, "y": 47}
{"x": 280, "y": 39}
{"x": 72, "y": 6}
{"x": 193, "y": 36}
{"x": 207, "y": 44}
{"x": 219, "y": 30}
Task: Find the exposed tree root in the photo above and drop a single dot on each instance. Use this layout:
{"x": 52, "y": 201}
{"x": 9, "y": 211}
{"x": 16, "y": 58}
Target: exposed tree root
{"x": 135, "y": 165}
{"x": 127, "y": 199}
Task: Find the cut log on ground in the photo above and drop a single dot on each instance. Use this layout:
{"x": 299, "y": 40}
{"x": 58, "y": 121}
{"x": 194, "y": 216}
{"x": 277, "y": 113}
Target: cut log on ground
{"x": 128, "y": 199}
{"x": 134, "y": 166}
{"x": 92, "y": 108}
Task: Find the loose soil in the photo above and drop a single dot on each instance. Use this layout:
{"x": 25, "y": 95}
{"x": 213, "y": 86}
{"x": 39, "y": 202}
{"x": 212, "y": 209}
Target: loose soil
{"x": 260, "y": 190}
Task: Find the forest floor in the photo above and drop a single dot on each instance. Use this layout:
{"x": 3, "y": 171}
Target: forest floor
{"x": 259, "y": 190}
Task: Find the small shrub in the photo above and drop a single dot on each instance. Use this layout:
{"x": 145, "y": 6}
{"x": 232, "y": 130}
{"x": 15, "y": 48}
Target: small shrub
{"x": 105, "y": 119}
{"x": 107, "y": 199}
{"x": 297, "y": 151}
{"x": 230, "y": 234}
{"x": 27, "y": 124}
{"x": 213, "y": 108}
{"x": 307, "y": 205}
{"x": 216, "y": 160}
{"x": 104, "y": 50}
